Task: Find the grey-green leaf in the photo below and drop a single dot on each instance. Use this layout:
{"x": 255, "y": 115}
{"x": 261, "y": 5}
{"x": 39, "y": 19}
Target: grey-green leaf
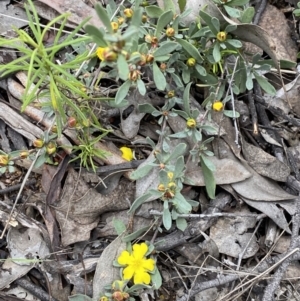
{"x": 103, "y": 16}
{"x": 163, "y": 20}
{"x": 190, "y": 49}
{"x": 266, "y": 86}
{"x": 122, "y": 91}
{"x": 159, "y": 78}
{"x": 209, "y": 179}
{"x": 167, "y": 219}
{"x": 154, "y": 11}
{"x": 165, "y": 49}
{"x": 96, "y": 34}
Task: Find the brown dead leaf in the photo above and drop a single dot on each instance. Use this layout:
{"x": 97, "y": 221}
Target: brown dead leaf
{"x": 265, "y": 164}
{"x": 233, "y": 235}
{"x": 78, "y": 9}
{"x": 274, "y": 22}
{"x": 227, "y": 171}
{"x": 80, "y": 207}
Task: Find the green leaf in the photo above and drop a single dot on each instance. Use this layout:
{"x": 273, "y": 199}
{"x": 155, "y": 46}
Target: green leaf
{"x": 119, "y": 226}
{"x": 141, "y": 172}
{"x": 201, "y": 70}
{"x": 146, "y": 108}
{"x": 237, "y": 2}
{"x": 123, "y": 67}
{"x": 137, "y": 287}
{"x": 181, "y": 223}
{"x": 162, "y": 58}
{"x": 159, "y": 78}
{"x": 154, "y": 11}
{"x": 96, "y": 34}
{"x": 141, "y": 87}
{"x": 265, "y": 85}
{"x": 135, "y": 235}
{"x": 247, "y": 15}
{"x": 103, "y": 16}
{"x": 79, "y": 297}
{"x": 216, "y": 52}
{"x": 216, "y": 23}
{"x": 122, "y": 91}
{"x": 178, "y": 151}
{"x": 181, "y": 4}
{"x": 186, "y": 98}
{"x": 191, "y": 50}
{"x": 209, "y": 179}
{"x": 165, "y": 49}
{"x": 167, "y": 219}
{"x": 230, "y": 28}
{"x": 208, "y": 20}
{"x": 139, "y": 201}
{"x": 169, "y": 5}
{"x": 232, "y": 12}
{"x": 163, "y": 21}
{"x": 181, "y": 204}
{"x": 235, "y": 43}
{"x": 231, "y": 114}
{"x": 156, "y": 279}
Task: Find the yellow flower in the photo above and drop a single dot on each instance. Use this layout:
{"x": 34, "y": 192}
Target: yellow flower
{"x": 170, "y": 32}
{"x": 4, "y": 160}
{"x": 137, "y": 266}
{"x": 127, "y": 153}
{"x": 191, "y": 123}
{"x": 218, "y": 106}
{"x": 128, "y": 12}
{"x": 191, "y": 62}
{"x": 100, "y": 53}
{"x": 221, "y": 36}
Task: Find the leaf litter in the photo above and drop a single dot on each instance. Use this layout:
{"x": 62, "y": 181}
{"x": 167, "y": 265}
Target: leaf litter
{"x": 69, "y": 231}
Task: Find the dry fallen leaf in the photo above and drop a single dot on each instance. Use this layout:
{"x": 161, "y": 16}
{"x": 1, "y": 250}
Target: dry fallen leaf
{"x": 265, "y": 164}
{"x": 78, "y": 9}
{"x": 274, "y": 22}
{"x": 233, "y": 235}
{"x": 80, "y": 207}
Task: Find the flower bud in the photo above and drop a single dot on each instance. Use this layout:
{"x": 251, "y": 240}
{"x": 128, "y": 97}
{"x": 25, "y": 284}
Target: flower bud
{"x": 114, "y": 26}
{"x": 72, "y": 122}
{"x": 145, "y": 3}
{"x": 191, "y": 62}
{"x": 110, "y": 55}
{"x": 172, "y": 186}
{"x": 154, "y": 40}
{"x": 125, "y": 54}
{"x": 161, "y": 187}
{"x": 149, "y": 58}
{"x": 125, "y": 295}
{"x": 51, "y": 148}
{"x": 103, "y": 298}
{"x": 148, "y": 38}
{"x": 144, "y": 18}
{"x": 38, "y": 143}
{"x": 221, "y": 36}
{"x": 218, "y": 106}
{"x": 170, "y": 32}
{"x": 191, "y": 123}
{"x": 134, "y": 75}
{"x": 4, "y": 159}
{"x": 171, "y": 94}
{"x": 117, "y": 296}
{"x": 170, "y": 175}
{"x": 163, "y": 66}
{"x": 24, "y": 154}
{"x": 143, "y": 60}
{"x": 121, "y": 20}
{"x": 128, "y": 12}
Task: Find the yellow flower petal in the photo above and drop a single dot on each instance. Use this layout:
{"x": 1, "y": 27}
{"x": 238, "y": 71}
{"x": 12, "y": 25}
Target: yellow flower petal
{"x": 127, "y": 153}
{"x": 141, "y": 277}
{"x": 129, "y": 272}
{"x": 218, "y": 106}
{"x": 148, "y": 264}
{"x": 139, "y": 250}
{"x": 100, "y": 53}
{"x": 124, "y": 258}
